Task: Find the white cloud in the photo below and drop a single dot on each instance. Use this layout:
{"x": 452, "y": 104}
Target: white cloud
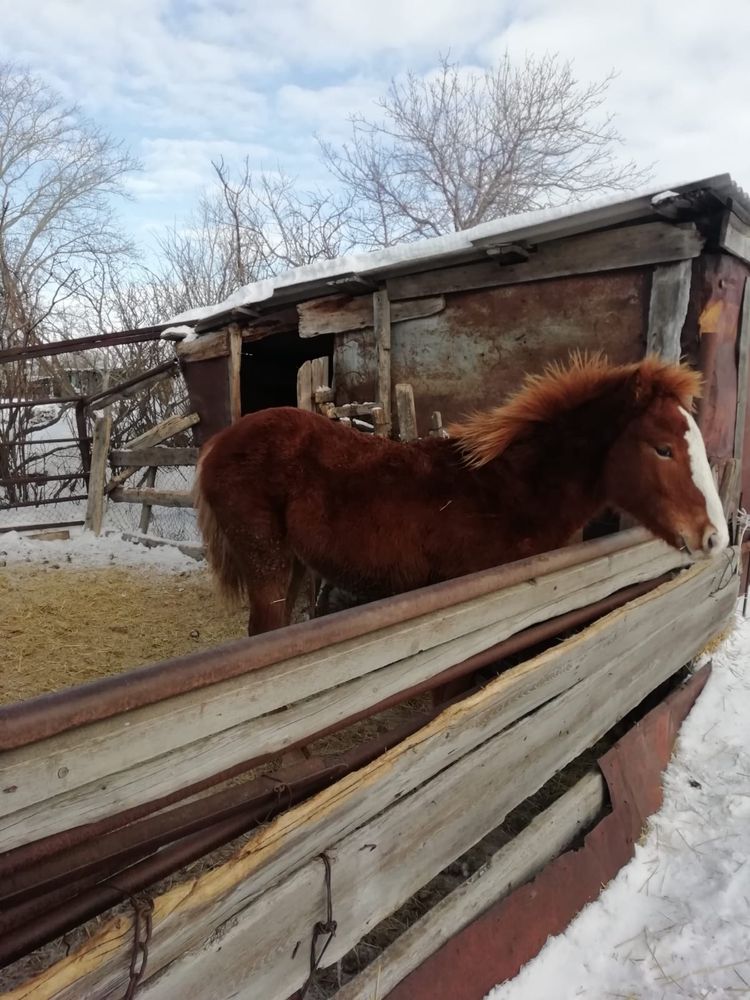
{"x": 185, "y": 81}
{"x": 680, "y": 93}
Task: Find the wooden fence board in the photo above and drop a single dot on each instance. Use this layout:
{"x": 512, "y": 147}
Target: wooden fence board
{"x": 378, "y": 867}
{"x": 603, "y": 671}
{"x": 154, "y": 435}
{"x": 152, "y": 751}
{"x": 546, "y": 836}
{"x": 159, "y": 455}
{"x": 152, "y": 496}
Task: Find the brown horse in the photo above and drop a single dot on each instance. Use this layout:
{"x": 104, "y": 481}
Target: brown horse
{"x": 283, "y": 490}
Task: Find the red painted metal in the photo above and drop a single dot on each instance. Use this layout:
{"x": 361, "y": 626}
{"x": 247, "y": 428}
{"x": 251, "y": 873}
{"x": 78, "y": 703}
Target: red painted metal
{"x": 26, "y": 722}
{"x": 497, "y": 944}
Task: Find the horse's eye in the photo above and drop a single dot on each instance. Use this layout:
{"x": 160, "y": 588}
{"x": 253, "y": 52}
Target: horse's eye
{"x": 663, "y": 451}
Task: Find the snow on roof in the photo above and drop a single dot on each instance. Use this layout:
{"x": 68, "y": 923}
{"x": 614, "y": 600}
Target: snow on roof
{"x": 540, "y": 225}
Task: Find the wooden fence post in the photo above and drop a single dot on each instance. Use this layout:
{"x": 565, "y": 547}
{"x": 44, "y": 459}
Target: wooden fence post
{"x": 98, "y": 475}
{"x": 407, "y": 414}
{"x": 146, "y": 508}
{"x": 381, "y": 307}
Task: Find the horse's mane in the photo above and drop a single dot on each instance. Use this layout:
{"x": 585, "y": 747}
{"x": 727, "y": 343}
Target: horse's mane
{"x": 560, "y": 389}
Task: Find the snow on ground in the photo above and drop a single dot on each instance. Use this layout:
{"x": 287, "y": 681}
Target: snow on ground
{"x": 675, "y": 922}
{"x": 85, "y": 549}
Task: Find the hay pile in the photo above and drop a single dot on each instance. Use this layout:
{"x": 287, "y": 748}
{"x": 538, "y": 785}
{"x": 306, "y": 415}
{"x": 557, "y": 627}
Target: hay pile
{"x": 62, "y": 626}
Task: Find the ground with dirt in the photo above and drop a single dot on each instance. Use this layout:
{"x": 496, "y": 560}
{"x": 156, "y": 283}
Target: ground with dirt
{"x": 64, "y": 625}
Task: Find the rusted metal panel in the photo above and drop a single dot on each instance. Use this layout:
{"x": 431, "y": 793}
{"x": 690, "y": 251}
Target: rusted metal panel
{"x": 208, "y": 385}
{"x": 496, "y": 945}
{"x": 476, "y": 351}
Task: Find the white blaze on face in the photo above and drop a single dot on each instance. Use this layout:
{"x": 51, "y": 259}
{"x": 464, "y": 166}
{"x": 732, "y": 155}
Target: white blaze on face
{"x": 704, "y": 480}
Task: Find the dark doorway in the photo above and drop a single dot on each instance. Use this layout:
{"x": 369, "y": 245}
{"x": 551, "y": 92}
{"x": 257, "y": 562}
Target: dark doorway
{"x": 268, "y": 374}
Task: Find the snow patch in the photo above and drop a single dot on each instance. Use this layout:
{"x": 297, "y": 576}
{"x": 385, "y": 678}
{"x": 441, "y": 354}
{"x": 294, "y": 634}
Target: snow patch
{"x": 84, "y": 549}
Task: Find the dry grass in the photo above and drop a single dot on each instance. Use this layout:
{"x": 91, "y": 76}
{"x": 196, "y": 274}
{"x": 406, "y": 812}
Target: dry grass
{"x": 63, "y": 626}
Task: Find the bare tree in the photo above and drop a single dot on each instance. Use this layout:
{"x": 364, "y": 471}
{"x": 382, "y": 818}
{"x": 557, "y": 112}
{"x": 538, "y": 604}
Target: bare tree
{"x": 57, "y": 232}
{"x": 461, "y": 147}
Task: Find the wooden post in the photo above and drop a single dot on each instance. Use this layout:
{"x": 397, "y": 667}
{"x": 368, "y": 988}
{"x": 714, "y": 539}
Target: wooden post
{"x": 84, "y": 444}
{"x": 98, "y": 474}
{"x": 378, "y": 420}
{"x": 407, "y": 414}
{"x": 146, "y": 508}
{"x": 381, "y": 308}
{"x": 234, "y": 367}
{"x": 436, "y": 425}
{"x": 319, "y": 374}
{"x": 305, "y": 387}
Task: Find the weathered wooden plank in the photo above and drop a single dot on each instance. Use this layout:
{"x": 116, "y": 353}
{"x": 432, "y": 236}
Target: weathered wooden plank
{"x": 305, "y": 390}
{"x": 670, "y": 294}
{"x": 234, "y": 367}
{"x": 98, "y": 475}
{"x": 735, "y": 236}
{"x": 319, "y": 374}
{"x": 158, "y": 456}
{"x": 381, "y": 307}
{"x": 466, "y": 792}
{"x": 345, "y": 313}
{"x": 377, "y": 868}
{"x": 650, "y": 243}
{"x": 540, "y": 842}
{"x": 743, "y": 375}
{"x": 151, "y": 751}
{"x": 157, "y": 498}
{"x": 208, "y": 345}
{"x": 406, "y": 412}
{"x": 146, "y": 508}
{"x": 154, "y": 435}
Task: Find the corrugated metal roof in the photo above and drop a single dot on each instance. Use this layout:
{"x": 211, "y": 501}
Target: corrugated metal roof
{"x": 368, "y": 270}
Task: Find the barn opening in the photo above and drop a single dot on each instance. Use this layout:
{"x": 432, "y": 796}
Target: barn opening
{"x": 268, "y": 372}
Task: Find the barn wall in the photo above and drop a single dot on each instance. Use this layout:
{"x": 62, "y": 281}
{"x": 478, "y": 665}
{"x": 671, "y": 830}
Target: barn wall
{"x": 477, "y": 349}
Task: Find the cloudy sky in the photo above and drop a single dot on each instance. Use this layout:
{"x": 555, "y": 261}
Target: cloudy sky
{"x": 185, "y": 81}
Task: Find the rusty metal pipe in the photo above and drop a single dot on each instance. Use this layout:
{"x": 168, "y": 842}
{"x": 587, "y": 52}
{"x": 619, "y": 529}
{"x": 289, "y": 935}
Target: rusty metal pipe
{"x": 27, "y": 722}
{"x": 17, "y": 940}
{"x": 34, "y": 853}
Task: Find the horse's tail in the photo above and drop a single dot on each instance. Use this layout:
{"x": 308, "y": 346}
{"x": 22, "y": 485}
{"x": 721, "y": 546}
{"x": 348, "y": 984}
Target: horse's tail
{"x": 225, "y": 569}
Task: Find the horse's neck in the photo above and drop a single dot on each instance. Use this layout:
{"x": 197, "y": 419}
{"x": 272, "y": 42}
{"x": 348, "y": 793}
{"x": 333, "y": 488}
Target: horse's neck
{"x": 554, "y": 478}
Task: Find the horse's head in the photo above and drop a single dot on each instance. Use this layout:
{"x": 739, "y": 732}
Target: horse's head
{"x": 658, "y": 470}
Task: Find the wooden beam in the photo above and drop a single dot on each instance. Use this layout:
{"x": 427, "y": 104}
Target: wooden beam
{"x": 743, "y": 375}
{"x": 208, "y": 345}
{"x": 540, "y": 842}
{"x": 735, "y": 236}
{"x": 98, "y": 475}
{"x": 150, "y": 752}
{"x": 634, "y": 246}
{"x": 155, "y": 435}
{"x": 407, "y": 413}
{"x": 158, "y": 455}
{"x": 156, "y": 498}
{"x": 234, "y": 373}
{"x": 346, "y": 313}
{"x": 75, "y": 344}
{"x": 429, "y": 798}
{"x": 319, "y": 374}
{"x": 670, "y": 294}
{"x": 381, "y": 307}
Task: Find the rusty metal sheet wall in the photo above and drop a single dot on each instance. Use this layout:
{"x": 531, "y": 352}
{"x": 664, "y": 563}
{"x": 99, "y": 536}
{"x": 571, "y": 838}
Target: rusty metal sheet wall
{"x": 208, "y": 386}
{"x": 476, "y": 351}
